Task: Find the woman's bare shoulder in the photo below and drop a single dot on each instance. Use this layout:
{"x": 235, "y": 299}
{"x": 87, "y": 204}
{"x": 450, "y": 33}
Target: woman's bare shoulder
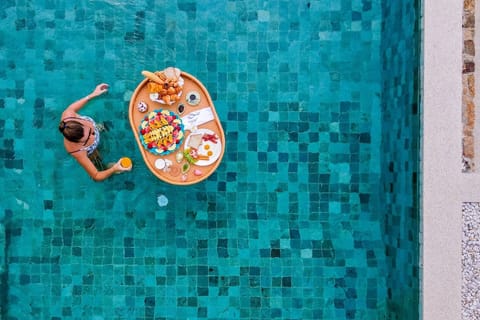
{"x": 71, "y": 147}
{"x": 68, "y": 114}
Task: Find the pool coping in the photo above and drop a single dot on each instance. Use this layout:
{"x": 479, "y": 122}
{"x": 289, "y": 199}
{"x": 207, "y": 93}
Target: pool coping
{"x": 444, "y": 186}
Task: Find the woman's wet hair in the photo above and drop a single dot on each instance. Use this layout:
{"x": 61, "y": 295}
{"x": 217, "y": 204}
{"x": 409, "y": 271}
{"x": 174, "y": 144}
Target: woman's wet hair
{"x": 72, "y": 130}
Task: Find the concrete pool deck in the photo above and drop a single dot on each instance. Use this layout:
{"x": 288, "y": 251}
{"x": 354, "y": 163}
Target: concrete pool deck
{"x": 444, "y": 187}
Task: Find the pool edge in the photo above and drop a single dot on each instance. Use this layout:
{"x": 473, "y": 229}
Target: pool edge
{"x": 444, "y": 186}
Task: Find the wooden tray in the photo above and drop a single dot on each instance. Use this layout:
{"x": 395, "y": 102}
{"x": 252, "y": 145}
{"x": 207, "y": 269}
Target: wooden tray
{"x": 191, "y": 84}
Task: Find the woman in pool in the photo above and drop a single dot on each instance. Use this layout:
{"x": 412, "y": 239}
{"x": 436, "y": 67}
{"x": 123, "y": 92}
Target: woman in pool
{"x": 81, "y": 137}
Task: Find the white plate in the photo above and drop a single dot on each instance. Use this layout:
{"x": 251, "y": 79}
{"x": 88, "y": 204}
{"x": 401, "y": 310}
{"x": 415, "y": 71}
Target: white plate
{"x": 216, "y": 148}
{"x": 155, "y": 96}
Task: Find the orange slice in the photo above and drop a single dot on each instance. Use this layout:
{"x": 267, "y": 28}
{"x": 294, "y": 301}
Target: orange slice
{"x": 126, "y": 162}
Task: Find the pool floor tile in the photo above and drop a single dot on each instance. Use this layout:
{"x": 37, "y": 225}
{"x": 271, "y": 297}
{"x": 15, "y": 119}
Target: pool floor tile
{"x": 289, "y": 226}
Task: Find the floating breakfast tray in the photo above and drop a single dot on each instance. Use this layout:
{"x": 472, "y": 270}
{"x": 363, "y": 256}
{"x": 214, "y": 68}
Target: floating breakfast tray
{"x": 199, "y": 132}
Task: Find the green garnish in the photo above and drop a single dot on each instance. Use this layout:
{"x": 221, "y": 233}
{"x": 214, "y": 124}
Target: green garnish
{"x": 188, "y": 156}
{"x": 185, "y": 167}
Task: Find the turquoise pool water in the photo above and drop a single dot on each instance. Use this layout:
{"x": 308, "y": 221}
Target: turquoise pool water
{"x": 313, "y": 212}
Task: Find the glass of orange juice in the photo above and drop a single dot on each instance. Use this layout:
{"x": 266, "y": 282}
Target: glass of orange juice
{"x": 126, "y": 162}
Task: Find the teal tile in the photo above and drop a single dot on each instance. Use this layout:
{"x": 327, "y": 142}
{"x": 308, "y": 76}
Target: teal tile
{"x": 301, "y": 219}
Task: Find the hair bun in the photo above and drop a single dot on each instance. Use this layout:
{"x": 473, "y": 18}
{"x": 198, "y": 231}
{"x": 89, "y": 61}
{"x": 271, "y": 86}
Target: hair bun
{"x": 62, "y": 126}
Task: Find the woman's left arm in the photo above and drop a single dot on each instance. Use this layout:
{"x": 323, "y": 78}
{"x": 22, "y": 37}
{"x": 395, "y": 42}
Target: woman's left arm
{"x": 79, "y": 104}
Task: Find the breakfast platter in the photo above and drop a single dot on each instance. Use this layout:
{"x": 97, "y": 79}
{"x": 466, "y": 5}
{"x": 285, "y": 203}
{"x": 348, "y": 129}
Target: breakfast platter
{"x": 161, "y": 132}
{"x": 176, "y": 127}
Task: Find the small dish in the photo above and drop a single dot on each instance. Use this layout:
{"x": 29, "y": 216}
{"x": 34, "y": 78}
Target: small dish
{"x": 142, "y": 106}
{"x": 193, "y": 98}
{"x": 181, "y": 108}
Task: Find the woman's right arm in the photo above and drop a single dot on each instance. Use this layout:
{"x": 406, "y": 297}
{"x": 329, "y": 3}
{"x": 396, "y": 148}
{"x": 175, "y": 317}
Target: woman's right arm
{"x": 79, "y": 104}
{"x": 92, "y": 171}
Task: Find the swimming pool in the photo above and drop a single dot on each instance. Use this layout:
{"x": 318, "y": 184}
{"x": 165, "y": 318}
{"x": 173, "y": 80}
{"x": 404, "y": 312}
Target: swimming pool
{"x": 313, "y": 212}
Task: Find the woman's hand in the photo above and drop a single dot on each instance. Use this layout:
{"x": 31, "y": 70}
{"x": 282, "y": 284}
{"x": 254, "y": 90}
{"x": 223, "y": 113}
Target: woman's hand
{"x": 100, "y": 89}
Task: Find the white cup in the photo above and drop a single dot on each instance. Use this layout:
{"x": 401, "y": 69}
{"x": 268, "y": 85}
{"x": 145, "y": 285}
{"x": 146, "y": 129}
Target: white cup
{"x": 159, "y": 164}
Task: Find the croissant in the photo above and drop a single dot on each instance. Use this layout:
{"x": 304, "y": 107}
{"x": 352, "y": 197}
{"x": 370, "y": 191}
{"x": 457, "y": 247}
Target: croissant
{"x": 152, "y": 76}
